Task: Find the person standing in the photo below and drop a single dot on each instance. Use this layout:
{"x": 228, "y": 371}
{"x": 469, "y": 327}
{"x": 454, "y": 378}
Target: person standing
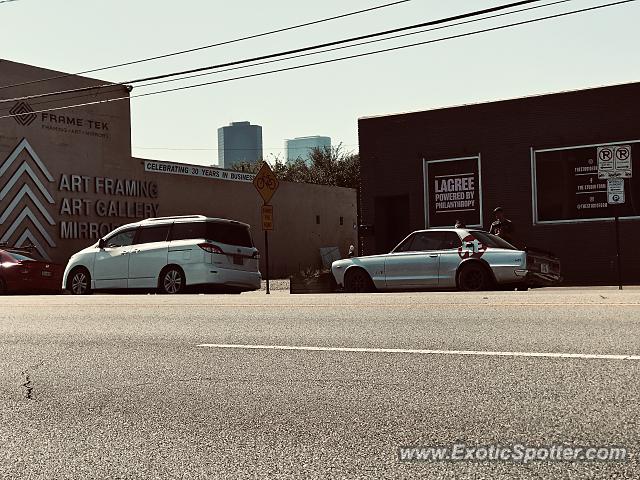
{"x": 502, "y": 226}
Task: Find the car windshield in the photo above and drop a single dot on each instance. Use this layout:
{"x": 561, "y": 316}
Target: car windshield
{"x": 492, "y": 241}
{"x": 19, "y": 257}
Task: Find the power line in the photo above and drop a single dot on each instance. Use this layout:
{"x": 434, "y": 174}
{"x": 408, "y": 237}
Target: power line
{"x": 205, "y": 47}
{"x": 501, "y": 27}
{"x": 179, "y": 149}
{"x": 289, "y": 52}
{"x": 343, "y": 47}
{"x": 118, "y": 87}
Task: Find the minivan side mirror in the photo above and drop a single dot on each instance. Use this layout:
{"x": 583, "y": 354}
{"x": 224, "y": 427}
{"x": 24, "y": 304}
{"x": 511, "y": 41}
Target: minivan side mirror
{"x": 102, "y": 243}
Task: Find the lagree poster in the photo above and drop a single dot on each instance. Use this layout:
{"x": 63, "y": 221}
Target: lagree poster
{"x": 453, "y": 192}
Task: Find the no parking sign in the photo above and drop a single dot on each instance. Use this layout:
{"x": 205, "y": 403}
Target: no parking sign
{"x": 614, "y": 162}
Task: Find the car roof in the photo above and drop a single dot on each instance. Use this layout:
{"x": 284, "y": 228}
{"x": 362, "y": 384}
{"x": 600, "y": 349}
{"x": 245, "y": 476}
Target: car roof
{"x": 188, "y": 218}
{"x": 449, "y": 229}
{"x": 178, "y": 219}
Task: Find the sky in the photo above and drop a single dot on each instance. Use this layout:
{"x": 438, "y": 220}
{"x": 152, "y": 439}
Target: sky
{"x": 580, "y": 51}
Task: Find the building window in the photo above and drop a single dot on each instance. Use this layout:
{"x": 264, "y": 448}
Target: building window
{"x": 567, "y": 186}
{"x": 341, "y": 220}
{"x": 317, "y": 219}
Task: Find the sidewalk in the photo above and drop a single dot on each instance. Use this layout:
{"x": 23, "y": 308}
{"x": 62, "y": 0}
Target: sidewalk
{"x": 277, "y": 284}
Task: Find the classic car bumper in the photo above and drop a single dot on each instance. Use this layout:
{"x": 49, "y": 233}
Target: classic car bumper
{"x": 537, "y": 279}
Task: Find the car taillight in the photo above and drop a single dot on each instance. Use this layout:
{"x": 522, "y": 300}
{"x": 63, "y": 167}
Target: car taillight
{"x": 210, "y": 247}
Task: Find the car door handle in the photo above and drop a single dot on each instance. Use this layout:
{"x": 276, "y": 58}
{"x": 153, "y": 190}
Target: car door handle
{"x": 124, "y": 253}
{"x": 433, "y": 255}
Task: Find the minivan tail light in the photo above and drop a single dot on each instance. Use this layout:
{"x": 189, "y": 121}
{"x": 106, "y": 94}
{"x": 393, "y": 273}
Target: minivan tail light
{"x": 210, "y": 247}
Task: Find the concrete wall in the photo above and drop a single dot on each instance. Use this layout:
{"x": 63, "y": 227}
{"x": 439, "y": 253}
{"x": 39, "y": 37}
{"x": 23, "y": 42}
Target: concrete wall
{"x": 295, "y": 242}
{"x": 67, "y": 178}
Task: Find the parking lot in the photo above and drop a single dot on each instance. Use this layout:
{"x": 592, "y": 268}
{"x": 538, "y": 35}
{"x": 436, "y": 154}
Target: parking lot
{"x": 328, "y": 386}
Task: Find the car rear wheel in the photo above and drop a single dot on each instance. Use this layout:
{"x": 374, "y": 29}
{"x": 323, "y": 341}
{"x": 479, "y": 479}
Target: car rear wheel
{"x": 473, "y": 278}
{"x": 79, "y": 282}
{"x": 357, "y": 281}
{"x": 3, "y": 287}
{"x": 172, "y": 281}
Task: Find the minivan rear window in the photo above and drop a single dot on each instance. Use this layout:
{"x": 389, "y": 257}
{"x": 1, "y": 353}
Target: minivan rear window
{"x": 228, "y": 233}
{"x": 153, "y": 234}
{"x": 188, "y": 231}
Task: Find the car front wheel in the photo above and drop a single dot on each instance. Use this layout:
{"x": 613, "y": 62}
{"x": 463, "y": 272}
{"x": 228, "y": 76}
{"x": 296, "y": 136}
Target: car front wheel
{"x": 357, "y": 281}
{"x": 172, "y": 281}
{"x": 79, "y": 282}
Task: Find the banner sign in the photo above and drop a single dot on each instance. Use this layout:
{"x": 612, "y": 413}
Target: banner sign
{"x": 453, "y": 192}
{"x": 172, "y": 168}
{"x": 585, "y": 183}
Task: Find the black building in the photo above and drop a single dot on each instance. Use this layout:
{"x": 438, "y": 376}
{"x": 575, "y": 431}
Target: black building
{"x": 538, "y": 157}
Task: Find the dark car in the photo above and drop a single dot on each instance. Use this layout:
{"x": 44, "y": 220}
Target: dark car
{"x": 22, "y": 272}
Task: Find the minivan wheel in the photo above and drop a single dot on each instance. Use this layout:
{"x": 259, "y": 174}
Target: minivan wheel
{"x": 172, "y": 281}
{"x": 79, "y": 282}
{"x": 473, "y": 278}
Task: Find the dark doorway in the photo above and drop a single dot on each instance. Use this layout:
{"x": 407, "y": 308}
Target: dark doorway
{"x": 391, "y": 221}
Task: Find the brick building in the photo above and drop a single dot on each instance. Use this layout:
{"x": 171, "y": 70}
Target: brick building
{"x": 537, "y": 157}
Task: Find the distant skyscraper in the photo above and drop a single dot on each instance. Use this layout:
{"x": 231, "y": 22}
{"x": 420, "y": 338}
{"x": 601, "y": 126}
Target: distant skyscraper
{"x": 301, "y": 147}
{"x": 239, "y": 142}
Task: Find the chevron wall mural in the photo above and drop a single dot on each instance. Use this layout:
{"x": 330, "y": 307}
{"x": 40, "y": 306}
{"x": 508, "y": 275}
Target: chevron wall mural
{"x": 27, "y": 219}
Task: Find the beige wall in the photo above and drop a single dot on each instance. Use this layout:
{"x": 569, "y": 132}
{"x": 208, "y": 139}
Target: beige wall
{"x": 58, "y": 166}
{"x": 296, "y": 239}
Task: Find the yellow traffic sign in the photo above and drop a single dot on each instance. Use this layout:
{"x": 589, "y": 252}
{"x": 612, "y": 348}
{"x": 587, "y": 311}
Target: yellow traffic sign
{"x": 266, "y": 182}
{"x": 267, "y": 217}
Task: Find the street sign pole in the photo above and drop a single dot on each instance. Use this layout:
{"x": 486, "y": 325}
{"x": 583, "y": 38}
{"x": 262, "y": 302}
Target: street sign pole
{"x": 614, "y": 165}
{"x": 618, "y": 251}
{"x": 266, "y": 259}
{"x": 266, "y": 184}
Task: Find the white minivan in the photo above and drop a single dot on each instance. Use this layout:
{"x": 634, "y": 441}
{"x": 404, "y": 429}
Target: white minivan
{"x": 168, "y": 254}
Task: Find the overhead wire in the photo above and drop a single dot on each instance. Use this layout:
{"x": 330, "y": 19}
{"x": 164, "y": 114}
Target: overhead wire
{"x": 209, "y": 46}
{"x": 284, "y": 53}
{"x": 118, "y": 86}
{"x": 323, "y": 62}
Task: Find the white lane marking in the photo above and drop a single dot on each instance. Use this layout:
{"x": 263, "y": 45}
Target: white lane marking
{"x": 83, "y": 303}
{"x": 423, "y": 352}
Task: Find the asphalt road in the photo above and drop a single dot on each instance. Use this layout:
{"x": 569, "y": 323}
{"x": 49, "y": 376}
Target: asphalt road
{"x": 117, "y": 386}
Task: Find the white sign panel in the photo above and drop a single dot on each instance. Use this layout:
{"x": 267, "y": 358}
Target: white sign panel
{"x": 196, "y": 171}
{"x": 605, "y": 162}
{"x": 623, "y": 161}
{"x": 614, "y": 162}
{"x": 615, "y": 191}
